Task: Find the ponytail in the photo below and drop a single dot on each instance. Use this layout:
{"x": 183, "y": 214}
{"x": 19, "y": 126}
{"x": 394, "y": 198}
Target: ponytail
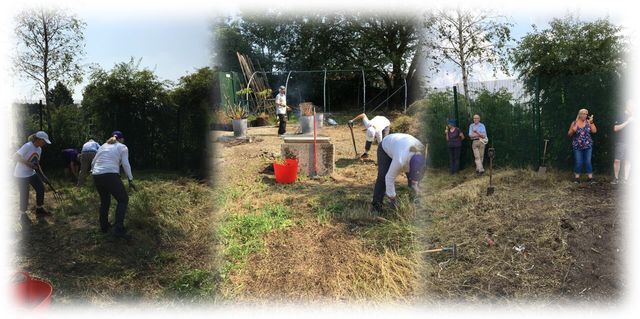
{"x": 32, "y": 138}
{"x": 112, "y": 140}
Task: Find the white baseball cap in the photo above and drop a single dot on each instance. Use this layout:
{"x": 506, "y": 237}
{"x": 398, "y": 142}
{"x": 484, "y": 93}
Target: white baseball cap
{"x": 43, "y": 136}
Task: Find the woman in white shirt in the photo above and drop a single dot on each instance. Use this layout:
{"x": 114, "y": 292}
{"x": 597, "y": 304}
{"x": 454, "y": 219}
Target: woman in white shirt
{"x": 377, "y": 128}
{"x": 106, "y": 176}
{"x": 27, "y": 161}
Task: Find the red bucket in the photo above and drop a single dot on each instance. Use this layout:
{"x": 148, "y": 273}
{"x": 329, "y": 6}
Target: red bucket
{"x": 31, "y": 293}
{"x": 286, "y": 173}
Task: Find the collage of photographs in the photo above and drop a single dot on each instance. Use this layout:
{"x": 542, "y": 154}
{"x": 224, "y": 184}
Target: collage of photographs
{"x": 259, "y": 155}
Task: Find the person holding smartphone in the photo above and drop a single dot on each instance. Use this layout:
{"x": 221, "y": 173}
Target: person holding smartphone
{"x": 580, "y": 132}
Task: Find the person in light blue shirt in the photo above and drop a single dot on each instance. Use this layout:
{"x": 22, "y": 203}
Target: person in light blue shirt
{"x": 89, "y": 150}
{"x": 478, "y": 136}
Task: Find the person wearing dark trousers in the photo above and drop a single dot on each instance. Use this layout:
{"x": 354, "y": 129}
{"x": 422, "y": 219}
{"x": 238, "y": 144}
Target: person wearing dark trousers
{"x": 376, "y": 129}
{"x": 398, "y": 153}
{"x": 89, "y": 150}
{"x": 27, "y": 161}
{"x": 71, "y": 162}
{"x": 281, "y": 110}
{"x": 622, "y": 134}
{"x": 106, "y": 177}
{"x": 454, "y": 141}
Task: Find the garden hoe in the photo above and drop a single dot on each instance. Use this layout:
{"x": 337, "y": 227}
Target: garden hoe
{"x": 492, "y": 154}
{"x": 56, "y": 195}
{"x": 542, "y": 170}
{"x": 453, "y": 250}
{"x": 353, "y": 138}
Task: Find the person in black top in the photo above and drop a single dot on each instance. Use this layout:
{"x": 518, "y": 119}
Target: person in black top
{"x": 454, "y": 141}
{"x": 622, "y": 129}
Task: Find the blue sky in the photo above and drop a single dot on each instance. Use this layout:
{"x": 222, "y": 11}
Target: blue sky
{"x": 174, "y": 41}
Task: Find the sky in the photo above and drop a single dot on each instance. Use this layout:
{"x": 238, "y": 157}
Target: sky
{"x": 173, "y": 38}
{"x": 176, "y": 43}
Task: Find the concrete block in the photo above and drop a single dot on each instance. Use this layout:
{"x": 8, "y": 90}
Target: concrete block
{"x": 303, "y": 150}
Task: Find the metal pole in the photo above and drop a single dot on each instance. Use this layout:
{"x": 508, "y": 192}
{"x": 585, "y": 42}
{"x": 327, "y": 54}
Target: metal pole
{"x": 286, "y": 83}
{"x": 324, "y": 92}
{"x": 405, "y": 94}
{"x": 40, "y": 115}
{"x": 455, "y": 104}
{"x": 364, "y": 93}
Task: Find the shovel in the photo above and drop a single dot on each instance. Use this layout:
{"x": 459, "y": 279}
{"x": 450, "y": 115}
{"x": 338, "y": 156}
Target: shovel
{"x": 492, "y": 154}
{"x": 542, "y": 170}
{"x": 353, "y": 138}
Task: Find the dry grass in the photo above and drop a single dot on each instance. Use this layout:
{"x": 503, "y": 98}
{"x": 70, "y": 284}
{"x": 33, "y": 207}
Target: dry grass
{"x": 526, "y": 218}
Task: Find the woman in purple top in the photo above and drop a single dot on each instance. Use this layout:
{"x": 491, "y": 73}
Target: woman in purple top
{"x": 454, "y": 141}
{"x": 580, "y": 131}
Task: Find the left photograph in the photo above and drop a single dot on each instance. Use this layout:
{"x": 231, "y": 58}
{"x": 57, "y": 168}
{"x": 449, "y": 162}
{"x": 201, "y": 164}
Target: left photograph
{"x": 109, "y": 156}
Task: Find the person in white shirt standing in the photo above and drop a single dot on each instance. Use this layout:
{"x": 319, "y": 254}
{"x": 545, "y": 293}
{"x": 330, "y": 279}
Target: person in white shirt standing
{"x": 27, "y": 161}
{"x": 398, "y": 153}
{"x": 106, "y": 177}
{"x": 377, "y": 129}
{"x": 89, "y": 150}
{"x": 281, "y": 110}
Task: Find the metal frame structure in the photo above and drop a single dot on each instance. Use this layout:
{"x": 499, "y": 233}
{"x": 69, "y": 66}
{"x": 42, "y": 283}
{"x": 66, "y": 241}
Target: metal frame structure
{"x": 324, "y": 85}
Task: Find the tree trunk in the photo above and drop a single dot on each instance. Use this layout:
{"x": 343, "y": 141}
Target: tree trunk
{"x": 45, "y": 69}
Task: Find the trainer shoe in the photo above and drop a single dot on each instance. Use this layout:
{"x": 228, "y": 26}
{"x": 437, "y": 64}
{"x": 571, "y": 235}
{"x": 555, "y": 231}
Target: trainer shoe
{"x": 591, "y": 181}
{"x": 615, "y": 182}
{"x": 576, "y": 181}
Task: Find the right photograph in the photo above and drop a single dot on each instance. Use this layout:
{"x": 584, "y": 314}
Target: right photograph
{"x": 425, "y": 157}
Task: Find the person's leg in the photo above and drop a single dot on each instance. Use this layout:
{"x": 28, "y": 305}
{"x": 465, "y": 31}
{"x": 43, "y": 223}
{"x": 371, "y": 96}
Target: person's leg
{"x": 456, "y": 159}
{"x": 23, "y": 187}
{"x": 481, "y": 153}
{"x": 385, "y": 132}
{"x": 84, "y": 169}
{"x": 116, "y": 188}
{"x": 281, "y": 125}
{"x": 384, "y": 161}
{"x": 578, "y": 162}
{"x": 476, "y": 154}
{"x": 101, "y": 183}
{"x": 616, "y": 168}
{"x": 38, "y": 186}
{"x": 367, "y": 147}
{"x": 627, "y": 169}
{"x": 451, "y": 159}
{"x": 587, "y": 161}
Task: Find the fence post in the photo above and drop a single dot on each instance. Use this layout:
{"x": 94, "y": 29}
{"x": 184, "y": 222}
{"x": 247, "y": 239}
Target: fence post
{"x": 538, "y": 121}
{"x": 455, "y": 104}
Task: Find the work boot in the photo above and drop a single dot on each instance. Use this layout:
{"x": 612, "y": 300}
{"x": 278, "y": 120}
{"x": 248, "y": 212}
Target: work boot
{"x": 376, "y": 208}
{"x": 40, "y": 211}
{"x": 121, "y": 232}
{"x": 364, "y": 155}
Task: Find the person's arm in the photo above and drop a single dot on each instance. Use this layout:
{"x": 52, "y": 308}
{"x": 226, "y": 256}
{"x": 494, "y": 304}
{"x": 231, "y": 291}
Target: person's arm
{"x": 359, "y": 116}
{"x": 390, "y": 178}
{"x": 619, "y": 127}
{"x": 446, "y": 133}
{"x": 482, "y": 132}
{"x": 461, "y": 136}
{"x": 124, "y": 160}
{"x": 594, "y": 129}
{"x": 572, "y": 128}
{"x": 471, "y": 132}
{"x": 20, "y": 159}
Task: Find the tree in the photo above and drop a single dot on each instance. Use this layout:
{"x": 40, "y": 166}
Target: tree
{"x": 60, "y": 95}
{"x": 194, "y": 101}
{"x": 50, "y": 44}
{"x": 136, "y": 102}
{"x": 468, "y": 39}
{"x": 575, "y": 65}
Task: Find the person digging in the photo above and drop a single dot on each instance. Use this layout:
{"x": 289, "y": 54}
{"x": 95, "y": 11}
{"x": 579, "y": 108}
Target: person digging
{"x": 27, "y": 162}
{"x": 376, "y": 129}
{"x": 397, "y": 153}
